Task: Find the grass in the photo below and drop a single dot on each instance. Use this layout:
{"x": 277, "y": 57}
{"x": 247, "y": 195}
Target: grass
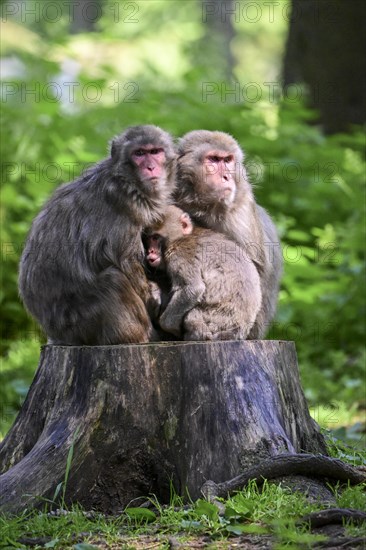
{"x": 269, "y": 511}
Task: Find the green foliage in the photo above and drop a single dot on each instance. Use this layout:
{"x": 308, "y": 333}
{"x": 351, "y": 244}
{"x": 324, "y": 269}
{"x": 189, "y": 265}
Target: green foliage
{"x": 16, "y": 372}
{"x": 352, "y": 497}
{"x": 312, "y": 185}
{"x": 270, "y": 510}
{"x": 348, "y": 444}
{"x": 143, "y": 515}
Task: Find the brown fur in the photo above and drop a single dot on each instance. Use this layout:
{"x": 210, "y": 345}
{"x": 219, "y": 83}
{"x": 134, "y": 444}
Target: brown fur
{"x": 242, "y": 220}
{"x": 81, "y": 273}
{"x": 208, "y": 300}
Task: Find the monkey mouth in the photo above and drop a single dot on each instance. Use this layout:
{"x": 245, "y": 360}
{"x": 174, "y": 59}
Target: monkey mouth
{"x": 149, "y": 175}
{"x": 152, "y": 182}
{"x": 153, "y": 261}
{"x": 225, "y": 194}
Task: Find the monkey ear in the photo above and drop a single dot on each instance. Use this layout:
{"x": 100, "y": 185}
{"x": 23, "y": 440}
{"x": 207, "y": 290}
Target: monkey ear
{"x": 114, "y": 148}
{"x": 186, "y": 223}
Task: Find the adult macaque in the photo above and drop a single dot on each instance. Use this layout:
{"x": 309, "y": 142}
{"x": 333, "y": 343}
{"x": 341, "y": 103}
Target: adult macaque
{"x": 213, "y": 188}
{"x": 81, "y": 273}
{"x": 215, "y": 291}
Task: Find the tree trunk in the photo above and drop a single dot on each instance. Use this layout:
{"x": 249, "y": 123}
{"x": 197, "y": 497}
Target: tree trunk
{"x": 211, "y": 55}
{"x": 139, "y": 417}
{"x": 323, "y": 50}
{"x": 84, "y": 15}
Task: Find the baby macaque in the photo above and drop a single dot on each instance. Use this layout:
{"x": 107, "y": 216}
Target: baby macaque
{"x": 215, "y": 289}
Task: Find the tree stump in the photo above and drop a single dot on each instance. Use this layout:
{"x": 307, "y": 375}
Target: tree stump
{"x": 142, "y": 417}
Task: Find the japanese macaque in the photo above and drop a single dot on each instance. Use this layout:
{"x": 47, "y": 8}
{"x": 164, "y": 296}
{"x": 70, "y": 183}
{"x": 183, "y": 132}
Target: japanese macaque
{"x": 213, "y": 188}
{"x": 215, "y": 290}
{"x": 81, "y": 272}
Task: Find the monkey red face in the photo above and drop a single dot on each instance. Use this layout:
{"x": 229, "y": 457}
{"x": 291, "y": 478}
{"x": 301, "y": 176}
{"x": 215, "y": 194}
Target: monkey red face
{"x": 219, "y": 174}
{"x": 150, "y": 162}
{"x": 154, "y": 250}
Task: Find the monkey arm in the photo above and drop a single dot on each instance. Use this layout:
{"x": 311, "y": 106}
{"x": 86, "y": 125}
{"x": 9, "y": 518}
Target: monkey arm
{"x": 154, "y": 300}
{"x": 184, "y": 298}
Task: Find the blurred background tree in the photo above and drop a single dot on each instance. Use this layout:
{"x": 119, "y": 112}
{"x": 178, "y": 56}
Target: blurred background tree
{"x": 212, "y": 55}
{"x": 86, "y": 14}
{"x": 76, "y": 73}
{"x": 323, "y": 50}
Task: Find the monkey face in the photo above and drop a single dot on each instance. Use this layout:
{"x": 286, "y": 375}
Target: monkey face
{"x": 219, "y": 175}
{"x": 154, "y": 250}
{"x": 175, "y": 225}
{"x": 211, "y": 175}
{"x": 150, "y": 163}
{"x": 143, "y": 157}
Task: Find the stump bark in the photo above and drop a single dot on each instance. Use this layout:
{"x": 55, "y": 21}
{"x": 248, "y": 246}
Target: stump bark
{"x": 142, "y": 417}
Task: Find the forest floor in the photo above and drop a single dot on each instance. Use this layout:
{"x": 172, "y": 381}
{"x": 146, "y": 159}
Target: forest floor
{"x": 335, "y": 539}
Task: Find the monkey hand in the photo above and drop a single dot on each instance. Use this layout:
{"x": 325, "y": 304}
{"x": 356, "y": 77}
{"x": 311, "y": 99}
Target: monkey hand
{"x": 154, "y": 301}
{"x": 171, "y": 323}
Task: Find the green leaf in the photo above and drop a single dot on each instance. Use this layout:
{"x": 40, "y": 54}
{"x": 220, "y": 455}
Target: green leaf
{"x": 141, "y": 514}
{"x": 52, "y": 543}
{"x": 84, "y": 546}
{"x": 57, "y": 490}
{"x": 186, "y": 524}
{"x": 240, "y": 528}
{"x": 236, "y": 528}
{"x": 204, "y": 508}
{"x": 240, "y": 507}
{"x": 231, "y": 513}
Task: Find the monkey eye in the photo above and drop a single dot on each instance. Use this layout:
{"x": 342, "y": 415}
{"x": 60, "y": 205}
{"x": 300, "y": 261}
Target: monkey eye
{"x": 228, "y": 159}
{"x": 142, "y": 152}
{"x": 214, "y": 158}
